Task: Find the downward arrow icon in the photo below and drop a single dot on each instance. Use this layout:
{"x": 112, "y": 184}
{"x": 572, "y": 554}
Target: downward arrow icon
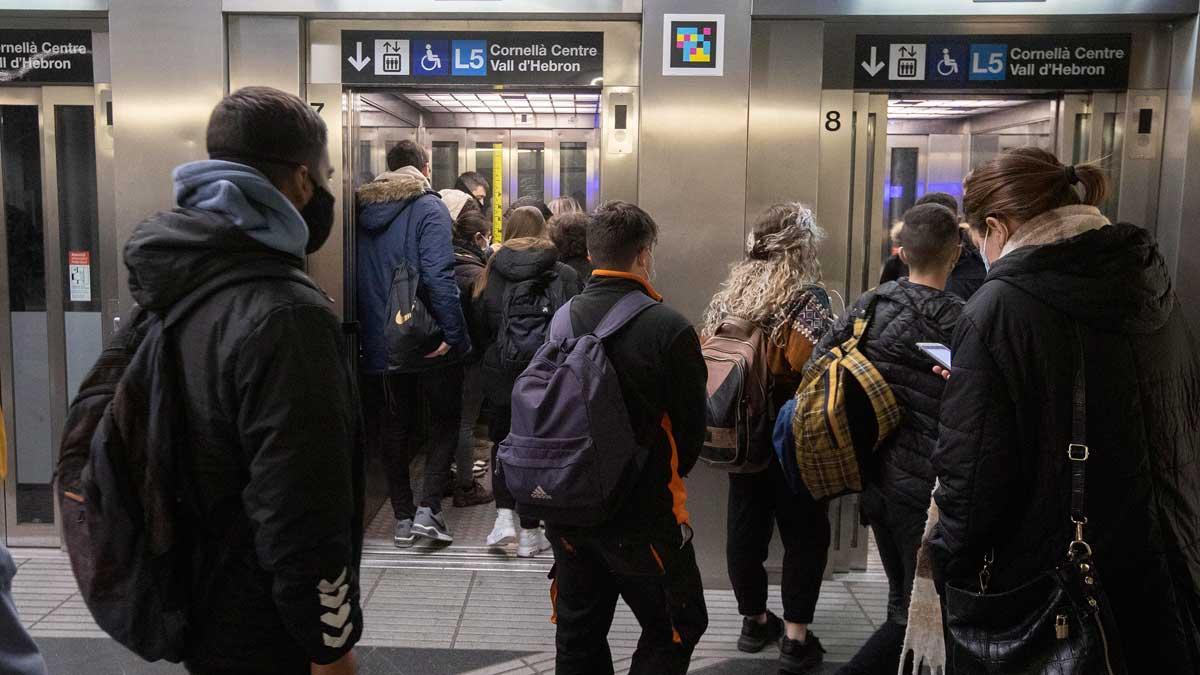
{"x": 359, "y": 62}
{"x": 874, "y": 65}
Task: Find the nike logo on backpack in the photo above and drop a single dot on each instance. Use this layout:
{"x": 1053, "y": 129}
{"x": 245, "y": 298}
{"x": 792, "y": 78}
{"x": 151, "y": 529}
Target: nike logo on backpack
{"x": 539, "y": 493}
{"x": 402, "y": 318}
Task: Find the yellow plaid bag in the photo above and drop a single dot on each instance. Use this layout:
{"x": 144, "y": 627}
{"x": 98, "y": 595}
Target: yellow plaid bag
{"x": 827, "y": 454}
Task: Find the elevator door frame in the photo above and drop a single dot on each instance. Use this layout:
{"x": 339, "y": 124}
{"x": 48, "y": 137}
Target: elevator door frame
{"x": 47, "y": 99}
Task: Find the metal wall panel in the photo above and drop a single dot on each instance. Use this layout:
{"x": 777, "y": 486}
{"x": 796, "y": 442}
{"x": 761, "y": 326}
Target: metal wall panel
{"x": 1149, "y": 65}
{"x": 1179, "y": 196}
{"x": 835, "y": 207}
{"x": 939, "y": 8}
{"x": 266, "y": 50}
{"x": 326, "y": 265}
{"x": 785, "y": 111}
{"x": 168, "y": 66}
{"x": 97, "y": 6}
{"x": 435, "y": 7}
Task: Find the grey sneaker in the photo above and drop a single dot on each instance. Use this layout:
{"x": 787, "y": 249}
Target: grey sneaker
{"x": 431, "y": 525}
{"x": 403, "y": 536}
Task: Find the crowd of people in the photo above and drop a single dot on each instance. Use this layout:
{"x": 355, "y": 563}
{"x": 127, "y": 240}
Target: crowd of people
{"x": 1068, "y": 349}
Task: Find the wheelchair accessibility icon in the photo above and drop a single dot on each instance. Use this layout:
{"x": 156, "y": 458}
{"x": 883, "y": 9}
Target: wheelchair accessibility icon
{"x": 947, "y": 67}
{"x": 434, "y": 60}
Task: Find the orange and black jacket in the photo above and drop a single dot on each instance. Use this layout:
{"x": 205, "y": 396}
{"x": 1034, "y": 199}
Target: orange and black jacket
{"x": 663, "y": 377}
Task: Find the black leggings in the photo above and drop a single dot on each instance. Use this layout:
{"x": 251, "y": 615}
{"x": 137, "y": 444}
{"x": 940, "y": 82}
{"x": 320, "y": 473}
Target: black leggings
{"x": 757, "y": 503}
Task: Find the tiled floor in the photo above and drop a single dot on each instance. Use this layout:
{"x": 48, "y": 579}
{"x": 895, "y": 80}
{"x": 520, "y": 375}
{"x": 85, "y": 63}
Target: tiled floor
{"x": 445, "y": 602}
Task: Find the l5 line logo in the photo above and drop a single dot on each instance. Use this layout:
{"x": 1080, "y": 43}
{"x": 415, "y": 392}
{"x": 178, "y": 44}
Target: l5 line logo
{"x": 470, "y": 58}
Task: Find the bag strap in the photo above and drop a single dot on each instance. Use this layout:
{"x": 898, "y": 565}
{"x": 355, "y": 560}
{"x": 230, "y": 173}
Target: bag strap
{"x": 861, "y": 325}
{"x": 626, "y": 310}
{"x": 560, "y": 325}
{"x": 1078, "y": 451}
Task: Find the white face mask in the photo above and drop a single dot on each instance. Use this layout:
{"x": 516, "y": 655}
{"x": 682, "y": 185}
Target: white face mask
{"x": 987, "y": 265}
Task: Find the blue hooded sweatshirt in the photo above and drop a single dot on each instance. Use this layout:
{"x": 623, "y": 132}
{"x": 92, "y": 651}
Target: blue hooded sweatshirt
{"x": 400, "y": 219}
{"x": 247, "y": 198}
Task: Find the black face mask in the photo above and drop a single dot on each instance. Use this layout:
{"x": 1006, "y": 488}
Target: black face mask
{"x": 318, "y": 215}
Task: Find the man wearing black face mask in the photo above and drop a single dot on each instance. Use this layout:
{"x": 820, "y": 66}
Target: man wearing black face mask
{"x": 267, "y": 396}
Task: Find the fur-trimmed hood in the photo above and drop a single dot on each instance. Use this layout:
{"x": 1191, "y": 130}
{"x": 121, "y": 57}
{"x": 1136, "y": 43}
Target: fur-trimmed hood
{"x": 386, "y": 197}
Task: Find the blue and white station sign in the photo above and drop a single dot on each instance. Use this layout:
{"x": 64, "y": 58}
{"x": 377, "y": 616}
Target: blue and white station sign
{"x": 528, "y": 57}
{"x": 1024, "y": 62}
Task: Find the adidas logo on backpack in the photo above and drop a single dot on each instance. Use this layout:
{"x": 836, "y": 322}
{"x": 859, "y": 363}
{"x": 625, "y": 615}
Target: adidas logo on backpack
{"x": 539, "y": 493}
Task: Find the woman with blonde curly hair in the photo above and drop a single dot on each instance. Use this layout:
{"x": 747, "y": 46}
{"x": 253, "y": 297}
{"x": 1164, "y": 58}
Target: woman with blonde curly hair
{"x": 777, "y": 286}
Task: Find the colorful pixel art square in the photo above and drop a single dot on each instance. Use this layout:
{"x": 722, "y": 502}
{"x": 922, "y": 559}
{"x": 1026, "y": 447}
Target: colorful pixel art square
{"x": 694, "y": 44}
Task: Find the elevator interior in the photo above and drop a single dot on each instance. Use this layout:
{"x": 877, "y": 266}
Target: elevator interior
{"x": 528, "y": 143}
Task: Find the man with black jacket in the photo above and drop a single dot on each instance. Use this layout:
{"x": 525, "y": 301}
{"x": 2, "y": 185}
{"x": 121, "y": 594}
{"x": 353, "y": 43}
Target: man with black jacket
{"x": 644, "y": 554}
{"x": 897, "y": 483}
{"x": 266, "y": 393}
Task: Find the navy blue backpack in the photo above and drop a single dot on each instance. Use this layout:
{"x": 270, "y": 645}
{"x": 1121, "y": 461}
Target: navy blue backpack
{"x": 572, "y": 453}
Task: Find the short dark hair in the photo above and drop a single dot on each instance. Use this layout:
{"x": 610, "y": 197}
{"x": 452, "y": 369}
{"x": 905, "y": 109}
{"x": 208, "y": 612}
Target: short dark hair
{"x": 618, "y": 232}
{"x": 406, "y": 153}
{"x": 530, "y": 201}
{"x": 942, "y": 198}
{"x": 930, "y": 235}
{"x": 268, "y": 129}
{"x": 470, "y": 180}
{"x": 568, "y": 231}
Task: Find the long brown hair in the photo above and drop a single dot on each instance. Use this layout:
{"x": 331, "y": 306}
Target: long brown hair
{"x": 524, "y": 221}
{"x": 1024, "y": 183}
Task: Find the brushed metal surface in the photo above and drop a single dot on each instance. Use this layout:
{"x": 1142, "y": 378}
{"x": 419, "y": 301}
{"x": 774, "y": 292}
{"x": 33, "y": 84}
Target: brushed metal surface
{"x": 942, "y": 8}
{"x": 267, "y": 51}
{"x": 1178, "y": 234}
{"x": 785, "y": 115}
{"x": 168, "y": 67}
{"x": 435, "y": 7}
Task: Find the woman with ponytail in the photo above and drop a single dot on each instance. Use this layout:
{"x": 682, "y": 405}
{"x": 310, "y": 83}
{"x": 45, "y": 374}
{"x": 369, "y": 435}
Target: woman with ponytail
{"x": 1076, "y": 337}
{"x": 778, "y": 287}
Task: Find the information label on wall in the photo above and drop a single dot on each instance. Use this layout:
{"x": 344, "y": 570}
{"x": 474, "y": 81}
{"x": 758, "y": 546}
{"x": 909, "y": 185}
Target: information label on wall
{"x": 400, "y": 57}
{"x": 1050, "y": 62}
{"x": 45, "y": 56}
{"x": 79, "y": 266}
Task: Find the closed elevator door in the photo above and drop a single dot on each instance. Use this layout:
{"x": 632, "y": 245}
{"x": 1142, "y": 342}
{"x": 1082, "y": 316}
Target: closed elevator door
{"x": 51, "y": 331}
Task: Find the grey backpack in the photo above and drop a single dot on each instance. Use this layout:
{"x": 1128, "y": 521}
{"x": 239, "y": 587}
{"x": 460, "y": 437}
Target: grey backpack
{"x": 572, "y": 452}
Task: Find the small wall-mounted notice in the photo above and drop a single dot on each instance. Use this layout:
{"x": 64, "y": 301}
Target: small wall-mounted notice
{"x": 694, "y": 44}
{"x": 79, "y": 264}
{"x": 45, "y": 56}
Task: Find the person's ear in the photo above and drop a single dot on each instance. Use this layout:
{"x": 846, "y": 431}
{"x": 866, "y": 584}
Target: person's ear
{"x": 903, "y": 255}
{"x": 428, "y": 170}
{"x": 994, "y": 224}
{"x": 297, "y": 187}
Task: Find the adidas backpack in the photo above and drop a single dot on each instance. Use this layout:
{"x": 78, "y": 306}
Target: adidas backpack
{"x": 738, "y": 414}
{"x": 829, "y": 446}
{"x": 571, "y": 454}
{"x": 125, "y": 505}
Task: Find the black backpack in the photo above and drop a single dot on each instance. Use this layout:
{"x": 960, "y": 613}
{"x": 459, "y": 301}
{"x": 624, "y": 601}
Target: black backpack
{"x": 409, "y": 329}
{"x": 526, "y": 312}
{"x": 126, "y": 506}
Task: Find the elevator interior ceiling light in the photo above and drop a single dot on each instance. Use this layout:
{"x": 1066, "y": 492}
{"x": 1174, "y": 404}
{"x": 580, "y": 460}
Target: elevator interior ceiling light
{"x": 944, "y": 108}
{"x": 567, "y": 103}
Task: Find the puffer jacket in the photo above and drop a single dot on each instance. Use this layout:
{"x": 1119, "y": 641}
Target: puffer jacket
{"x": 271, "y": 411}
{"x": 518, "y": 260}
{"x": 901, "y": 476}
{"x": 1006, "y": 424}
{"x": 469, "y": 266}
{"x": 401, "y": 220}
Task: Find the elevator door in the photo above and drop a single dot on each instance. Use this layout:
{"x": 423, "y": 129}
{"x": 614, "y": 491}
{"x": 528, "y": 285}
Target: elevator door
{"x": 51, "y": 330}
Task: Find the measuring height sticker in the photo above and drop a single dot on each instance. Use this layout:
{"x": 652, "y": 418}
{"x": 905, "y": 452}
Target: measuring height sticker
{"x": 497, "y": 192}
{"x": 1096, "y": 62}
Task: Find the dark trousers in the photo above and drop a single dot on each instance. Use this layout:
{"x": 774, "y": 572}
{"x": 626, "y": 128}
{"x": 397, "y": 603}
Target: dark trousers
{"x": 391, "y": 406}
{"x": 499, "y": 422}
{"x": 757, "y": 503}
{"x": 661, "y": 584}
{"x": 898, "y": 531}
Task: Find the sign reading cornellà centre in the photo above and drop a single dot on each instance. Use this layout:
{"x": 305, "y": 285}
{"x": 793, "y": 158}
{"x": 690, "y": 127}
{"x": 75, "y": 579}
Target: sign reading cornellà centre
{"x": 402, "y": 57}
{"x": 45, "y": 56}
{"x": 1026, "y": 62}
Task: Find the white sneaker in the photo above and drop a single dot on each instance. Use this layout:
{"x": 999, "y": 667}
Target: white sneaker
{"x": 505, "y": 530}
{"x": 531, "y": 543}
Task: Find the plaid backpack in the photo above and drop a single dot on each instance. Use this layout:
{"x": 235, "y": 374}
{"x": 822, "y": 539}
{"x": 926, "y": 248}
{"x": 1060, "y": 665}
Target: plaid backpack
{"x": 829, "y": 445}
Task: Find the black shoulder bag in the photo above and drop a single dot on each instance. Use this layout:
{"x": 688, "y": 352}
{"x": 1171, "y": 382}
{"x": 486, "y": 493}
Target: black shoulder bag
{"x": 1060, "y": 623}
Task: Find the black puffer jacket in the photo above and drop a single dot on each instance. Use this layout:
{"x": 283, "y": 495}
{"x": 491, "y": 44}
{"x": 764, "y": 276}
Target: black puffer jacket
{"x": 518, "y": 260}
{"x": 1006, "y": 424}
{"x": 469, "y": 265}
{"x": 905, "y": 313}
{"x": 272, "y": 423}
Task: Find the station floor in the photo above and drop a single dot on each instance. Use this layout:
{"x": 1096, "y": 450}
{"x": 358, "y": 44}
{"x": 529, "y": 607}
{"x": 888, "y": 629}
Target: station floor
{"x": 463, "y": 609}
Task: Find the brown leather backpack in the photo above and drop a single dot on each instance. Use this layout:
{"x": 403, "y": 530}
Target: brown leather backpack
{"x": 738, "y": 414}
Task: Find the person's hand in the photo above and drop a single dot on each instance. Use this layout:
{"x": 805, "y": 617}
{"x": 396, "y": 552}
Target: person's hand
{"x": 440, "y": 351}
{"x": 943, "y": 372}
{"x": 347, "y": 665}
